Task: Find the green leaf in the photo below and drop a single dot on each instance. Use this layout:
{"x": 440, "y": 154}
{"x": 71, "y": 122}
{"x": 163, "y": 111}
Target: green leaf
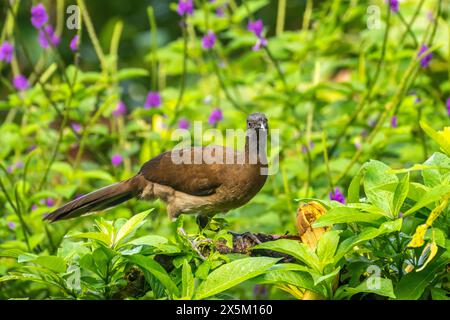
{"x": 437, "y": 137}
{"x": 435, "y": 177}
{"x": 430, "y": 196}
{"x": 298, "y": 279}
{"x": 294, "y": 248}
{"x": 187, "y": 281}
{"x": 355, "y": 184}
{"x": 400, "y": 194}
{"x": 413, "y": 284}
{"x": 52, "y": 263}
{"x": 345, "y": 215}
{"x": 373, "y": 284}
{"x": 326, "y": 247}
{"x": 103, "y": 238}
{"x": 233, "y": 273}
{"x": 377, "y": 175}
{"x": 367, "y": 234}
{"x": 150, "y": 240}
{"x": 130, "y": 226}
{"x": 156, "y": 270}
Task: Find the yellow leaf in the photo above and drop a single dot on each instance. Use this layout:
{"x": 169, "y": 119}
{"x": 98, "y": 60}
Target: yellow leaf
{"x": 432, "y": 248}
{"x": 418, "y": 237}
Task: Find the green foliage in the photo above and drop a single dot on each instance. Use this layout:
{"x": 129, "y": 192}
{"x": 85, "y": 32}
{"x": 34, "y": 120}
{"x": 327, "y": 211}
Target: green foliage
{"x": 327, "y": 80}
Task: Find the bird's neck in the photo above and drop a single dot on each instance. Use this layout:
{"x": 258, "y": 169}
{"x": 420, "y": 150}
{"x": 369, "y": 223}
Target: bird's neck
{"x": 256, "y": 147}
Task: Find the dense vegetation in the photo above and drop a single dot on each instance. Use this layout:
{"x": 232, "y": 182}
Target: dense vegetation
{"x": 359, "y": 91}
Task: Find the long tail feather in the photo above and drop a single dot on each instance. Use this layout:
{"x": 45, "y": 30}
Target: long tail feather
{"x": 98, "y": 200}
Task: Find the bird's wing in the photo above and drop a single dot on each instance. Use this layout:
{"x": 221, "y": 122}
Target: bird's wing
{"x": 199, "y": 179}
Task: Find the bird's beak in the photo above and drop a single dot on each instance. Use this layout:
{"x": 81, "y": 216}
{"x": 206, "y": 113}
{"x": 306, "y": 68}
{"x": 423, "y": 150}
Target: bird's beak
{"x": 261, "y": 126}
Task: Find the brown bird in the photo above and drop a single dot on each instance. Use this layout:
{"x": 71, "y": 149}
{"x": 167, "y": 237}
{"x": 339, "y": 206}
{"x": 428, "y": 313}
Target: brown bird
{"x": 202, "y": 180}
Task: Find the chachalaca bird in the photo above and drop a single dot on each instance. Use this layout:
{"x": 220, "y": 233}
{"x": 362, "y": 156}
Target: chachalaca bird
{"x": 190, "y": 186}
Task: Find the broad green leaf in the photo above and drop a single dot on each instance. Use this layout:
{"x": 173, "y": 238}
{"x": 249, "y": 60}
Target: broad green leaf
{"x": 156, "y": 270}
{"x": 373, "y": 284}
{"x": 150, "y": 240}
{"x": 52, "y": 263}
{"x": 294, "y": 248}
{"x": 233, "y": 273}
{"x": 130, "y": 226}
{"x": 435, "y": 177}
{"x": 187, "y": 281}
{"x": 103, "y": 238}
{"x": 326, "y": 247}
{"x": 430, "y": 196}
{"x": 376, "y": 175}
{"x": 298, "y": 279}
{"x": 400, "y": 194}
{"x": 345, "y": 215}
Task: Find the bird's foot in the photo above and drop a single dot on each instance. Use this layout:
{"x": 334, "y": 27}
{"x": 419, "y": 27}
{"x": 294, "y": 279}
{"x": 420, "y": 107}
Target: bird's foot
{"x": 246, "y": 234}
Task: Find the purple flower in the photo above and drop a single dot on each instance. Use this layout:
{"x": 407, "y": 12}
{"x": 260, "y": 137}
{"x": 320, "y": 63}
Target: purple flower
{"x": 183, "y": 124}
{"x": 11, "y": 225}
{"x": 76, "y": 127}
{"x": 215, "y": 116}
{"x": 6, "y": 51}
{"x": 305, "y": 149}
{"x": 120, "y": 109}
{"x": 394, "y": 122}
{"x": 260, "y": 42}
{"x": 34, "y": 207}
{"x": 394, "y": 5}
{"x": 256, "y": 27}
{"x": 74, "y": 43}
{"x": 38, "y": 16}
{"x": 337, "y": 195}
{"x": 209, "y": 40}
{"x": 185, "y": 7}
{"x": 116, "y": 159}
{"x": 31, "y": 148}
{"x": 448, "y": 106}
{"x": 20, "y": 82}
{"x": 50, "y": 202}
{"x": 220, "y": 11}
{"x": 424, "y": 60}
{"x": 153, "y": 100}
{"x": 47, "y": 34}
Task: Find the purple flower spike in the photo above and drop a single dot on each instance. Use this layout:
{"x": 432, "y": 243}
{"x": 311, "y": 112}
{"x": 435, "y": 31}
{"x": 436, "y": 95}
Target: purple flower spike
{"x": 6, "y": 52}
{"x": 47, "y": 34}
{"x": 74, "y": 43}
{"x": 120, "y": 110}
{"x": 424, "y": 59}
{"x": 394, "y": 5}
{"x": 11, "y": 225}
{"x": 256, "y": 27}
{"x": 337, "y": 195}
{"x": 39, "y": 16}
{"x": 448, "y": 106}
{"x": 215, "y": 116}
{"x": 394, "y": 122}
{"x": 185, "y": 7}
{"x": 116, "y": 159}
{"x": 209, "y": 40}
{"x": 153, "y": 100}
{"x": 183, "y": 124}
{"x": 20, "y": 82}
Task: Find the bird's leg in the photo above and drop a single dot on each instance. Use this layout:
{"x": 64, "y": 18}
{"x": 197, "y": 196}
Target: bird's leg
{"x": 192, "y": 244}
{"x": 247, "y": 234}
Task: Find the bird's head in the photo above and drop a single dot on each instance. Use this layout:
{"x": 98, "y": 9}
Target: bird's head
{"x": 257, "y": 121}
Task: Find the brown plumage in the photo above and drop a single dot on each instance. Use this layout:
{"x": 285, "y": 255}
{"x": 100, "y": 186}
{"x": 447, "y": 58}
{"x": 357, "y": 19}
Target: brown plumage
{"x": 205, "y": 188}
